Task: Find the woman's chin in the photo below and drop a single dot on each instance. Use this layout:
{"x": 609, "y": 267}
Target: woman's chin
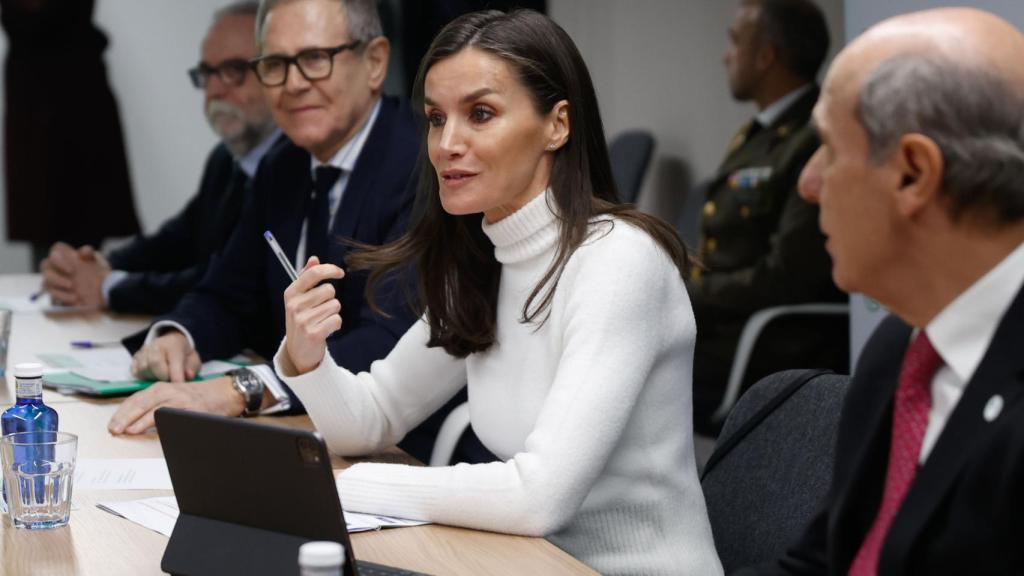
{"x": 456, "y": 205}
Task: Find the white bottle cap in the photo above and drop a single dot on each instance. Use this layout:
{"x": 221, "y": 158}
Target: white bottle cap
{"x": 321, "y": 554}
{"x": 28, "y": 370}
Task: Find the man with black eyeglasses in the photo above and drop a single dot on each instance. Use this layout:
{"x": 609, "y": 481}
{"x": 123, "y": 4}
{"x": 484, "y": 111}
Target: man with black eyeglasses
{"x": 344, "y": 175}
{"x": 152, "y": 273}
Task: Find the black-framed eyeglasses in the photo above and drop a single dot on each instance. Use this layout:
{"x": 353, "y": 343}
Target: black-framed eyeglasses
{"x": 231, "y": 72}
{"x": 313, "y": 64}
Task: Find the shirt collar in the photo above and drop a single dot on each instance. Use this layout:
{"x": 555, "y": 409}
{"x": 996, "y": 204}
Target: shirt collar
{"x": 963, "y": 331}
{"x": 346, "y": 157}
{"x": 251, "y": 160}
{"x": 769, "y": 115}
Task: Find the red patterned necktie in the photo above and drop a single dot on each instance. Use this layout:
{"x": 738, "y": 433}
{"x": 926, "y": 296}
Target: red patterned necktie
{"x": 909, "y": 422}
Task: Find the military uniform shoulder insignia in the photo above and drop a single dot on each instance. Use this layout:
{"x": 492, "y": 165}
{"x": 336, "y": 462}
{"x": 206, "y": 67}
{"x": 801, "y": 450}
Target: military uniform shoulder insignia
{"x": 741, "y": 137}
{"x": 736, "y": 142}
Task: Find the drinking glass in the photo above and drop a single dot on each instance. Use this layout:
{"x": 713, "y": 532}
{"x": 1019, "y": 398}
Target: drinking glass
{"x": 38, "y": 468}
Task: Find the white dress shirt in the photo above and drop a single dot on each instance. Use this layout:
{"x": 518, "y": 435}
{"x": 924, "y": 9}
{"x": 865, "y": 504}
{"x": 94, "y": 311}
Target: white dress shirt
{"x": 769, "y": 115}
{"x": 251, "y": 161}
{"x": 962, "y": 333}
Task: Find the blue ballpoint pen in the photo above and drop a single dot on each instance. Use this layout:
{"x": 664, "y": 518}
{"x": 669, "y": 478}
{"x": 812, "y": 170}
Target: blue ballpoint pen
{"x": 276, "y": 249}
{"x": 91, "y": 344}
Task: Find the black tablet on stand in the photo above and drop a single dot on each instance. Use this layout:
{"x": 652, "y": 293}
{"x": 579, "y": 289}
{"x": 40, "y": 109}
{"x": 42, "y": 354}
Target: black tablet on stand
{"x": 249, "y": 495}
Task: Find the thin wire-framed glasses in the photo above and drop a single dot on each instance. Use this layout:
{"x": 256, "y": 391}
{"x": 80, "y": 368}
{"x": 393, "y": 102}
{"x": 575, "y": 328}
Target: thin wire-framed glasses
{"x": 313, "y": 64}
{"x": 231, "y": 72}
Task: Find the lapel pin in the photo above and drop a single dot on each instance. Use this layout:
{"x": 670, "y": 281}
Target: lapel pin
{"x": 993, "y": 407}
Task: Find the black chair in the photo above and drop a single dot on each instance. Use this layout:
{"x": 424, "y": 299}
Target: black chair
{"x": 630, "y": 154}
{"x": 772, "y": 465}
{"x": 689, "y": 221}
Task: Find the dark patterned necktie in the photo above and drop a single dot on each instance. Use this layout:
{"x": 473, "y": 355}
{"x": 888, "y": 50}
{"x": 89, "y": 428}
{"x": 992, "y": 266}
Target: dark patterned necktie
{"x": 909, "y": 422}
{"x": 318, "y": 210}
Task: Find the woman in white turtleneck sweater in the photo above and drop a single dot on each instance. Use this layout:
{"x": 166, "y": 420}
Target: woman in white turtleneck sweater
{"x": 565, "y": 313}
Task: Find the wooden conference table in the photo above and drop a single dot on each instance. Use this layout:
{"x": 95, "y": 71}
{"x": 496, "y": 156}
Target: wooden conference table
{"x": 97, "y": 542}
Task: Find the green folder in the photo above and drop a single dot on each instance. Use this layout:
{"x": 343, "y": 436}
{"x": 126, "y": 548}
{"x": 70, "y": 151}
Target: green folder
{"x": 69, "y": 381}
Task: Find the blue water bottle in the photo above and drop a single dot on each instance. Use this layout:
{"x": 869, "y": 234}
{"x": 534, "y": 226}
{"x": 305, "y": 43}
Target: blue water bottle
{"x": 28, "y": 414}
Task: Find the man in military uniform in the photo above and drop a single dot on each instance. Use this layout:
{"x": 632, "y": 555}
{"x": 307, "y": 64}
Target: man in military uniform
{"x": 760, "y": 245}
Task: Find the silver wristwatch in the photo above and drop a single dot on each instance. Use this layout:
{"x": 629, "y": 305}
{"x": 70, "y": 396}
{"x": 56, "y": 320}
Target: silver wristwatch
{"x": 250, "y": 387}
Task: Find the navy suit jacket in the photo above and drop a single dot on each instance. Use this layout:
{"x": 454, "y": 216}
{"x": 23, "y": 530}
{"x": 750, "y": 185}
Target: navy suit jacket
{"x": 964, "y": 513}
{"x": 239, "y": 304}
{"x": 164, "y": 266}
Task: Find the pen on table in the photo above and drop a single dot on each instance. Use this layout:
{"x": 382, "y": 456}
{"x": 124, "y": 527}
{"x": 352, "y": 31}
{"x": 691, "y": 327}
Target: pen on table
{"x": 276, "y": 249}
{"x": 92, "y": 344}
{"x": 37, "y": 294}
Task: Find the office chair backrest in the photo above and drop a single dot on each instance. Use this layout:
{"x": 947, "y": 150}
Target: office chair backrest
{"x": 630, "y": 154}
{"x": 689, "y": 220}
{"x": 772, "y": 465}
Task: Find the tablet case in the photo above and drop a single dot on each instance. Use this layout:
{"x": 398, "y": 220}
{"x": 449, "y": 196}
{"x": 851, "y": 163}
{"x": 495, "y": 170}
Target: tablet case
{"x": 249, "y": 494}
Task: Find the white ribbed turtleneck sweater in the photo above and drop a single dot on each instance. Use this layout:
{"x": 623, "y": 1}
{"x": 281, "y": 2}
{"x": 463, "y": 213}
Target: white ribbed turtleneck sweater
{"x": 591, "y": 412}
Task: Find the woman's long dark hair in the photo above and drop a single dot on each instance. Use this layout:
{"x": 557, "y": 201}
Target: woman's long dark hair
{"x": 457, "y": 274}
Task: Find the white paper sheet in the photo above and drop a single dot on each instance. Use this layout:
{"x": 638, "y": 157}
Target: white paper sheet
{"x": 121, "y": 474}
{"x": 106, "y": 357}
{"x": 40, "y": 305}
{"x": 160, "y": 514}
{"x": 359, "y": 522}
{"x": 105, "y": 373}
{"x": 215, "y": 367}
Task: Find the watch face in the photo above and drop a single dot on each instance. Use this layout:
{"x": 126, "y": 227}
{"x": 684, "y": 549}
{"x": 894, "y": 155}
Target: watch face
{"x": 250, "y": 383}
{"x": 251, "y": 387}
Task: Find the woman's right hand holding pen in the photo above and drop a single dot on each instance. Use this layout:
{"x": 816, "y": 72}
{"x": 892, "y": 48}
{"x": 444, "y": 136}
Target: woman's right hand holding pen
{"x": 312, "y": 313}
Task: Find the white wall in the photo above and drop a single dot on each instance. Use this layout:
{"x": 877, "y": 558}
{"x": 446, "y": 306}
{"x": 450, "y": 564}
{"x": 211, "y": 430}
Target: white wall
{"x": 657, "y": 65}
{"x": 152, "y": 44}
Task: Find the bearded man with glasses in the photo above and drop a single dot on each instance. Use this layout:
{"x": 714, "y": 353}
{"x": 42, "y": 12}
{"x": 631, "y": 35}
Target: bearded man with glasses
{"x": 151, "y": 273}
{"x": 343, "y": 175}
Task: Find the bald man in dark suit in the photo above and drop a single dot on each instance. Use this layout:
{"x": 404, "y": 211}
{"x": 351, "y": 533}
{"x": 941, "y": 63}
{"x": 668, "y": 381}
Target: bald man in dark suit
{"x": 919, "y": 183}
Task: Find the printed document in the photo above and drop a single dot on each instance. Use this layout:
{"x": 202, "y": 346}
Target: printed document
{"x": 160, "y": 514}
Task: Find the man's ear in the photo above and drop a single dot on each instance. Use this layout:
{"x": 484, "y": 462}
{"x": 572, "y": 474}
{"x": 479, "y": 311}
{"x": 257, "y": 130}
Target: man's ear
{"x": 766, "y": 55}
{"x": 375, "y": 57}
{"x": 920, "y": 164}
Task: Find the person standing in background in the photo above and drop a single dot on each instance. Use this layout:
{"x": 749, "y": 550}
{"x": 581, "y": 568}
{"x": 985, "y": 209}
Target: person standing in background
{"x": 65, "y": 166}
